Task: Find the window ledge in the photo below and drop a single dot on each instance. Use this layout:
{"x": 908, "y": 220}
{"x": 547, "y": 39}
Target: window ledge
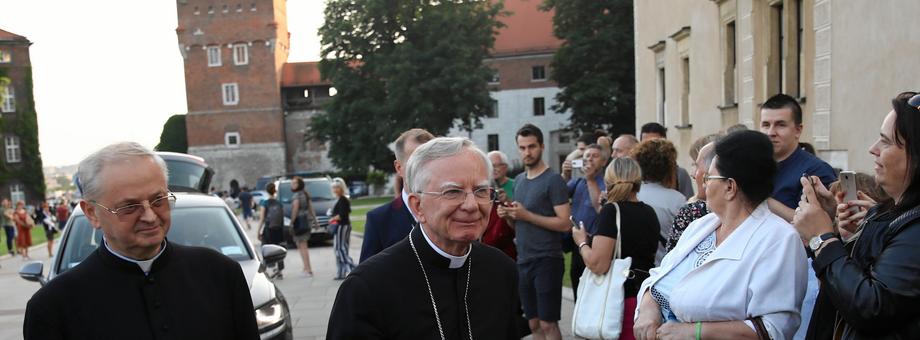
{"x": 684, "y": 126}
{"x": 727, "y": 106}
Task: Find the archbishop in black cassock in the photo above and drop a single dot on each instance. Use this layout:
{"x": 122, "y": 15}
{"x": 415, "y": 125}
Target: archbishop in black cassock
{"x": 386, "y": 297}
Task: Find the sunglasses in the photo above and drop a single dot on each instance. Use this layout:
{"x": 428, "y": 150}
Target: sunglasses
{"x": 914, "y": 101}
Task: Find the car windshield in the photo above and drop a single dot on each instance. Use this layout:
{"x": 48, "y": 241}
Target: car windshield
{"x": 318, "y": 190}
{"x": 184, "y": 174}
{"x": 210, "y": 227}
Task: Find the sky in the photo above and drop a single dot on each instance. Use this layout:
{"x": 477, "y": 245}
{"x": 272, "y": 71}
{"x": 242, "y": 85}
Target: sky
{"x": 106, "y": 71}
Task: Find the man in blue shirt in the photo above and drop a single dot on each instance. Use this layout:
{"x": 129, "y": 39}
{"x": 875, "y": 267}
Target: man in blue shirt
{"x": 781, "y": 120}
{"x": 586, "y": 193}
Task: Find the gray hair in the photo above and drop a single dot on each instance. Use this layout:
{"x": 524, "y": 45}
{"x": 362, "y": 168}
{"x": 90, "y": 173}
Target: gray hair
{"x": 708, "y": 154}
{"x": 501, "y": 156}
{"x": 441, "y": 147}
{"x": 88, "y": 179}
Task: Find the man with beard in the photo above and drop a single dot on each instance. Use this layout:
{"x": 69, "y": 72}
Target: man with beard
{"x": 438, "y": 283}
{"x": 138, "y": 285}
{"x": 539, "y": 214}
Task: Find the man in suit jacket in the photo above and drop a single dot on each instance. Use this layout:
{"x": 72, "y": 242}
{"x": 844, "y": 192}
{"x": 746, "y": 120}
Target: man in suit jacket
{"x": 391, "y": 222}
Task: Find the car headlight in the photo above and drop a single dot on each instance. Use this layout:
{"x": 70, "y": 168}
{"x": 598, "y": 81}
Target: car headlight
{"x": 269, "y": 314}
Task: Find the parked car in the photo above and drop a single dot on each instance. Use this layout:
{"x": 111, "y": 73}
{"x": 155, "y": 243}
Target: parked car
{"x": 320, "y": 190}
{"x": 257, "y": 197}
{"x": 358, "y": 189}
{"x": 198, "y": 220}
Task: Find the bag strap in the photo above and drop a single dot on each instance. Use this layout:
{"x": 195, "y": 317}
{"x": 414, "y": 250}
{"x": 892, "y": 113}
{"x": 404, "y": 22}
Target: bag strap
{"x": 759, "y": 327}
{"x": 617, "y": 253}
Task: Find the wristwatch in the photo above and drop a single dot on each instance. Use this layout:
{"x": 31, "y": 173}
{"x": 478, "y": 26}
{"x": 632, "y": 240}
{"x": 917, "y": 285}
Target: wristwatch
{"x": 816, "y": 241}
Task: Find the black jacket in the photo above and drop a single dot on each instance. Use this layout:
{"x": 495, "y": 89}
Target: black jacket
{"x": 875, "y": 290}
{"x": 190, "y": 293}
{"x": 387, "y": 296}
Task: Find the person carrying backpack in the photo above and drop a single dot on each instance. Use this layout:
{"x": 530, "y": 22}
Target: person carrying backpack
{"x": 271, "y": 221}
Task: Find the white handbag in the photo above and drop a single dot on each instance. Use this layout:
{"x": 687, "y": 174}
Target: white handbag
{"x": 599, "y": 309}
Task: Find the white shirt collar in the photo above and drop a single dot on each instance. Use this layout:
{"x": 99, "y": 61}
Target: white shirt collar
{"x": 455, "y": 261}
{"x": 405, "y": 199}
{"x": 144, "y": 264}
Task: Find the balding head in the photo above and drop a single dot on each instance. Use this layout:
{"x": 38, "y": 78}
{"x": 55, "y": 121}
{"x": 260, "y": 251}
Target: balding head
{"x": 623, "y": 145}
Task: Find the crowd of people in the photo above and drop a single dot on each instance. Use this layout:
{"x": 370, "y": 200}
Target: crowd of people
{"x": 767, "y": 246}
{"x": 19, "y": 220}
{"x": 758, "y": 240}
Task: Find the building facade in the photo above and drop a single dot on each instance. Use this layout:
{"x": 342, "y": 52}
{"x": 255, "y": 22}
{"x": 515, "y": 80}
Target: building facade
{"x": 21, "y": 177}
{"x": 235, "y": 57}
{"x": 521, "y": 88}
{"x": 705, "y": 65}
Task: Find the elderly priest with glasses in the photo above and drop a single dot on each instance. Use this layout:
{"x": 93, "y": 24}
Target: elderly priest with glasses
{"x": 439, "y": 282}
{"x": 137, "y": 285}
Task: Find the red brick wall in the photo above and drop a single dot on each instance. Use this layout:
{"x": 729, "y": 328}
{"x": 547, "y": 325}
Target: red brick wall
{"x": 515, "y": 72}
{"x": 254, "y": 127}
{"x": 257, "y": 115}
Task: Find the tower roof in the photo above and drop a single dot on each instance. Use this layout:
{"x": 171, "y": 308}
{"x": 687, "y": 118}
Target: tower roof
{"x": 527, "y": 30}
{"x": 8, "y": 36}
{"x": 301, "y": 74}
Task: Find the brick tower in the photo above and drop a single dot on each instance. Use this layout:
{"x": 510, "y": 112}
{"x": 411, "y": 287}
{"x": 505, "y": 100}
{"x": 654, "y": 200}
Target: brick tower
{"x": 234, "y": 52}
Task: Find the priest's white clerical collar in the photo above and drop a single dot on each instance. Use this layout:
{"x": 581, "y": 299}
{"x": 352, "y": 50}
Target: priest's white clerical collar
{"x": 405, "y": 198}
{"x": 455, "y": 261}
{"x": 144, "y": 264}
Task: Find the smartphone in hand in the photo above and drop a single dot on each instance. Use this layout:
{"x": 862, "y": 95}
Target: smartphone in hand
{"x": 848, "y": 183}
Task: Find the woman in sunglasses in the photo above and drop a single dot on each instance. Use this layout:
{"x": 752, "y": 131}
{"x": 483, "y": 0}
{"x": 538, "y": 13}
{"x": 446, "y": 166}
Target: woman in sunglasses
{"x": 872, "y": 282}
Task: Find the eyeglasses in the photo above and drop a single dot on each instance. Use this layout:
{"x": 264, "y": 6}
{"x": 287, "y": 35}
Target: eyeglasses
{"x": 133, "y": 210}
{"x": 710, "y": 177}
{"x": 914, "y": 101}
{"x": 481, "y": 195}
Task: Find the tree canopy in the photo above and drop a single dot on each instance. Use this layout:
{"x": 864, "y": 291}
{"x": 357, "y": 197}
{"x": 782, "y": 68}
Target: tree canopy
{"x": 595, "y": 66}
{"x": 173, "y": 138}
{"x": 399, "y": 64}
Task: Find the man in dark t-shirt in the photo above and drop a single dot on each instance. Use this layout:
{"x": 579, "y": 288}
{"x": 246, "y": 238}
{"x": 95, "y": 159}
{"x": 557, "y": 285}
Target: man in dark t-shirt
{"x": 246, "y": 204}
{"x": 539, "y": 214}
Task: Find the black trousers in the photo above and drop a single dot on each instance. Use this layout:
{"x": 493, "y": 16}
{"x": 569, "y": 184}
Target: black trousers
{"x": 578, "y": 266}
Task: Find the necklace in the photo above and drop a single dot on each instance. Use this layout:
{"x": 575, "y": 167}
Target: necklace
{"x": 434, "y": 305}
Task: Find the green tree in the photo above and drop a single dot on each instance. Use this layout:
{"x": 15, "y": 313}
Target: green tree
{"x": 173, "y": 137}
{"x": 400, "y": 64}
{"x": 595, "y": 65}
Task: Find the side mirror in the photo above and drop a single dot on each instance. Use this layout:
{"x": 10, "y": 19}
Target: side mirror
{"x": 33, "y": 271}
{"x": 273, "y": 253}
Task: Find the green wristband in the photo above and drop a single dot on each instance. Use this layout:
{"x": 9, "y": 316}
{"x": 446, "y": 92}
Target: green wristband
{"x": 699, "y": 330}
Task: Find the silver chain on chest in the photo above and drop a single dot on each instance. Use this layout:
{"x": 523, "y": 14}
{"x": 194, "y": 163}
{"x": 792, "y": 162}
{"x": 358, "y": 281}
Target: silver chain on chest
{"x": 434, "y": 305}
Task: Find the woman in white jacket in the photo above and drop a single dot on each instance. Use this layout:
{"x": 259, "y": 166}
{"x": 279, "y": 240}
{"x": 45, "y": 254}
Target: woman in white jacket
{"x": 737, "y": 273}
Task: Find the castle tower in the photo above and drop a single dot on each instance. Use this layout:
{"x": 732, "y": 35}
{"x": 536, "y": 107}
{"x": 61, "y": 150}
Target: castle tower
{"x": 233, "y": 53}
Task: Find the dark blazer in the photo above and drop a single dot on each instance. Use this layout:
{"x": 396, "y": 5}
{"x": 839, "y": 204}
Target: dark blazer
{"x": 385, "y": 226}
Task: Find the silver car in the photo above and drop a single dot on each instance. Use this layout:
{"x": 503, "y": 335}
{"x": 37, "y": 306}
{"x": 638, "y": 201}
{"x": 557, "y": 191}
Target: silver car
{"x": 197, "y": 220}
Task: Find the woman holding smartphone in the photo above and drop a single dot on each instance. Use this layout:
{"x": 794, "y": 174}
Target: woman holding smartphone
{"x": 640, "y": 231}
{"x": 873, "y": 283}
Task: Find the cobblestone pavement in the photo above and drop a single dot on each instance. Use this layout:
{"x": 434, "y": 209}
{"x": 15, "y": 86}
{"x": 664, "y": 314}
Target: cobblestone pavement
{"x": 310, "y": 299}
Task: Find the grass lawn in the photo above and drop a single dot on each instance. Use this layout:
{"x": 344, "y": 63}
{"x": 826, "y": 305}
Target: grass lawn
{"x": 375, "y": 201}
{"x": 566, "y": 280}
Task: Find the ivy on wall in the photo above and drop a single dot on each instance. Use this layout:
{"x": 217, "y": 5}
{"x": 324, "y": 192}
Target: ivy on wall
{"x": 24, "y": 124}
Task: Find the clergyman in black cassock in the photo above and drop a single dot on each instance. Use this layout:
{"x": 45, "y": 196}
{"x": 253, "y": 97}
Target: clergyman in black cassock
{"x": 386, "y": 297}
{"x": 439, "y": 282}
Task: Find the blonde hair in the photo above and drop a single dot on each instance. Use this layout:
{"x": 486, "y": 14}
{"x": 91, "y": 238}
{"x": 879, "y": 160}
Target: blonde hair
{"x": 623, "y": 178}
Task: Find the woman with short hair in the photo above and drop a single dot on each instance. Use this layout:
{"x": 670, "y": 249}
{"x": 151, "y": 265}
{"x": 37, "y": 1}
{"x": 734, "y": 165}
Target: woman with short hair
{"x": 737, "y": 273}
{"x": 872, "y": 283}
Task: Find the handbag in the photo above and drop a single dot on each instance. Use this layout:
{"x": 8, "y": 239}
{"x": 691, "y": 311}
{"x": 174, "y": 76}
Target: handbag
{"x": 599, "y": 309}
